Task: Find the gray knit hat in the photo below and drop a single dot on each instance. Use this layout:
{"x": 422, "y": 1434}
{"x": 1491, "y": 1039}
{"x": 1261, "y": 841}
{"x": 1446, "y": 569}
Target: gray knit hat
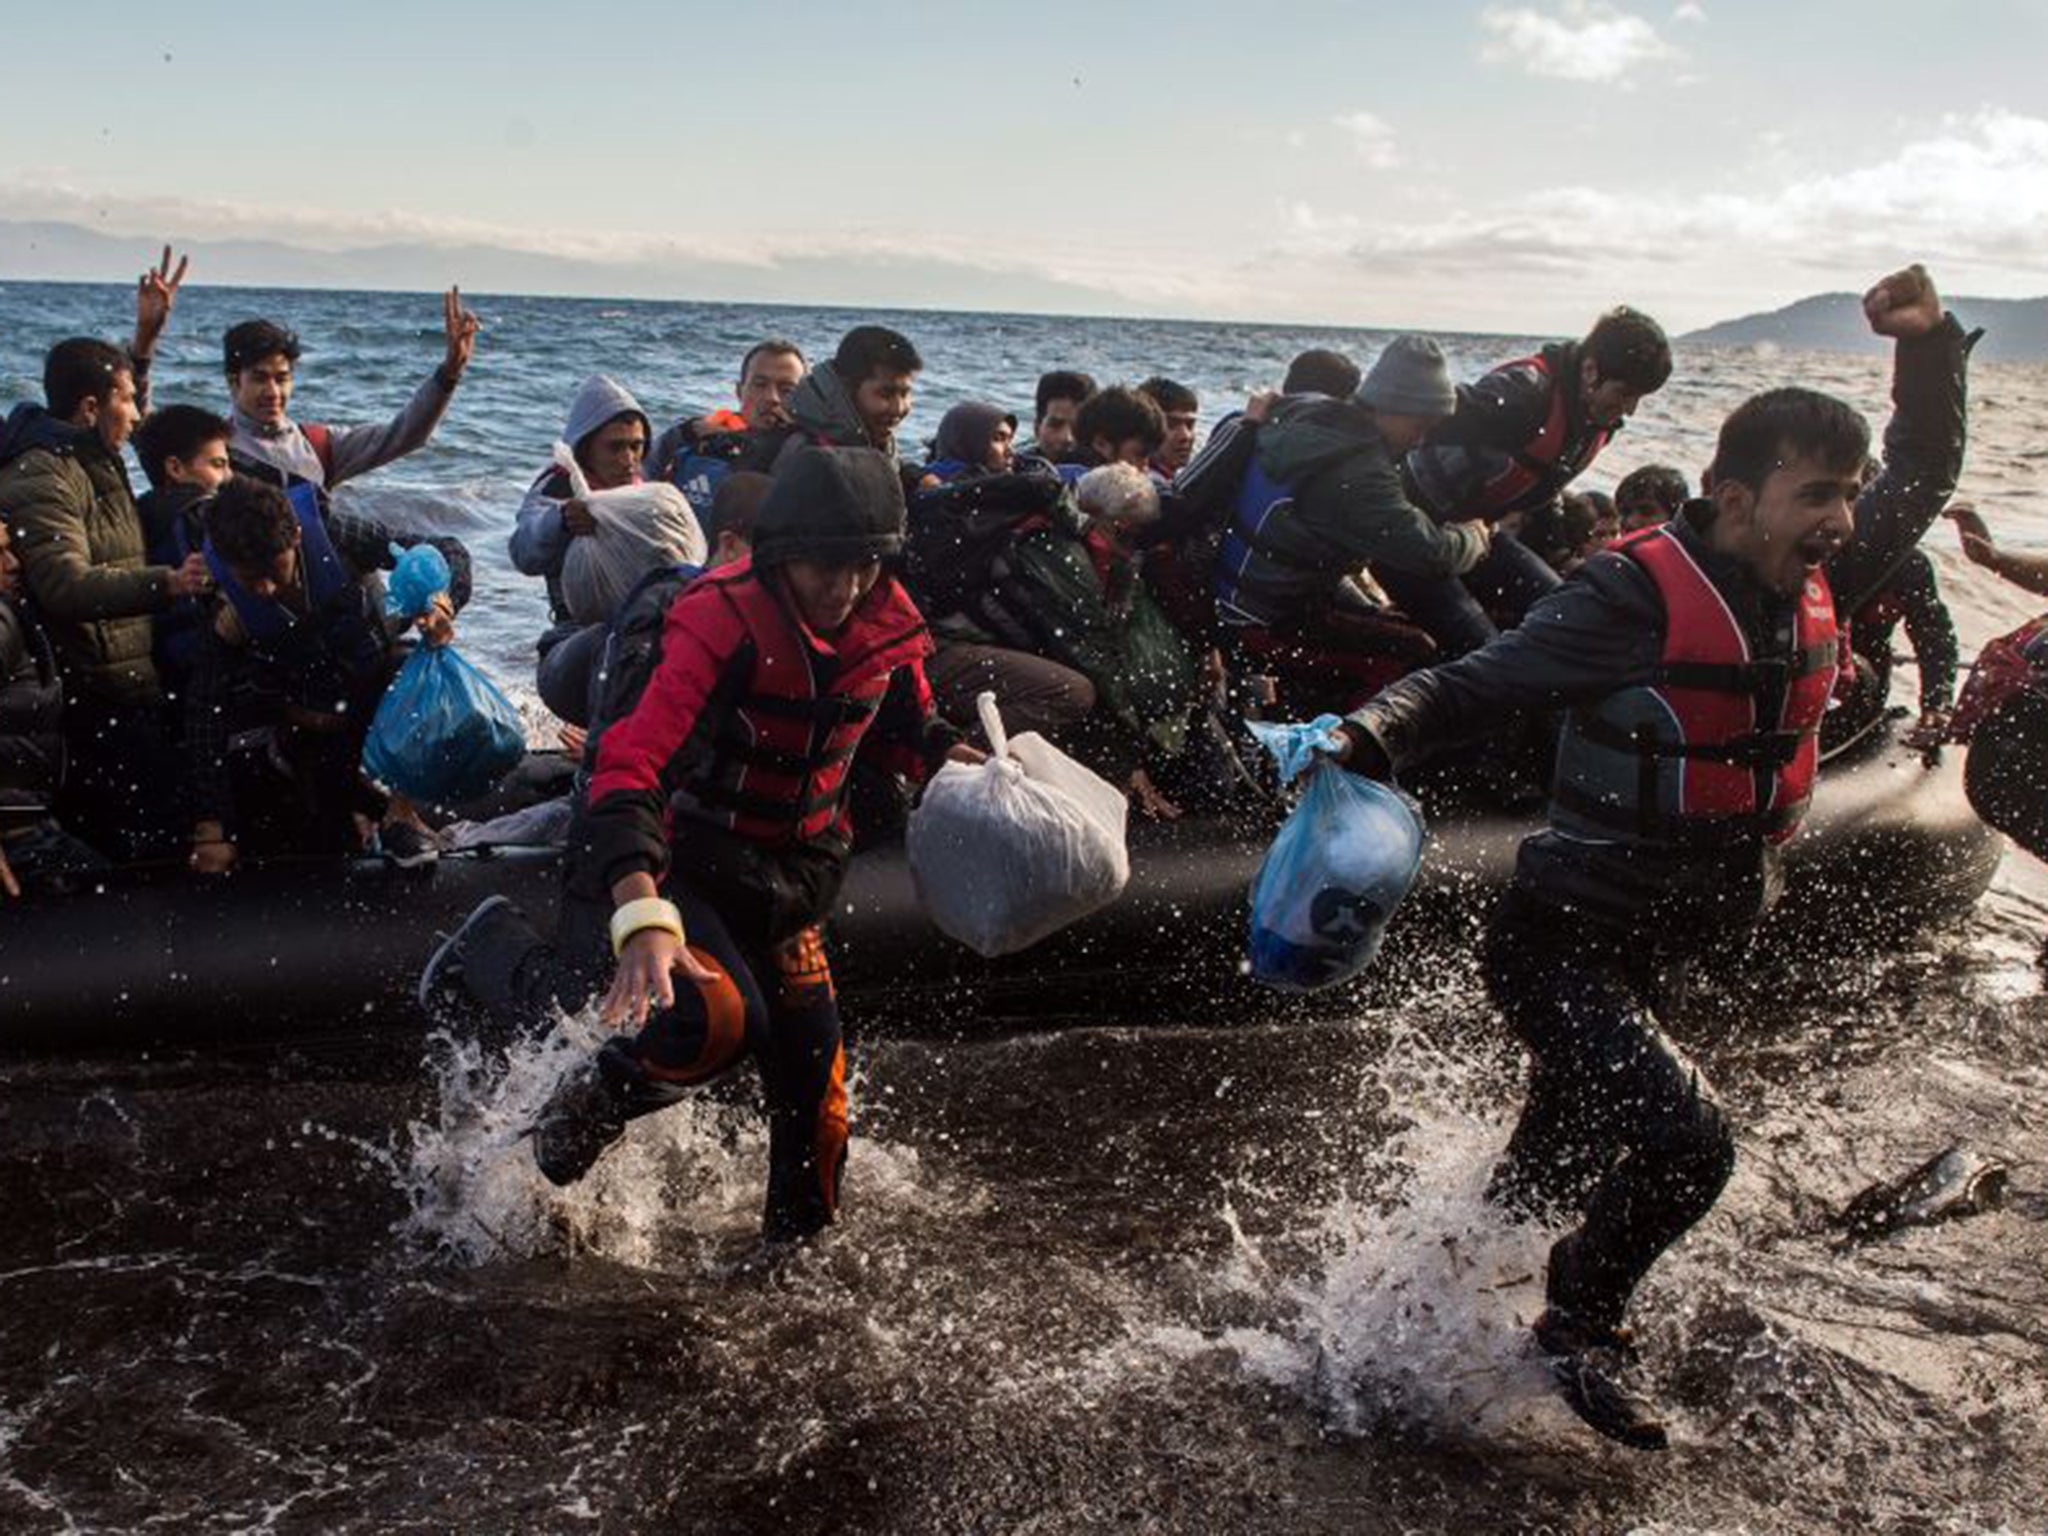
{"x": 1410, "y": 378}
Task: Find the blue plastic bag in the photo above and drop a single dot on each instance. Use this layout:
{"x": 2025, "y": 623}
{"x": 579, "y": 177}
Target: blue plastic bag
{"x": 1337, "y": 870}
{"x": 443, "y": 734}
{"x": 421, "y": 576}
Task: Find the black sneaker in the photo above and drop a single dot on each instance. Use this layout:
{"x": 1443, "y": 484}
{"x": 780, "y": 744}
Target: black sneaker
{"x": 1585, "y": 1362}
{"x": 580, "y": 1119}
{"x": 441, "y": 981}
{"x": 405, "y": 845}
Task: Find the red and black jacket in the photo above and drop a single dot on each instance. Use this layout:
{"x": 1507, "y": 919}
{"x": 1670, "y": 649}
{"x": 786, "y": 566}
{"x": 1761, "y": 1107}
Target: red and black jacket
{"x": 1520, "y": 436}
{"x": 751, "y": 722}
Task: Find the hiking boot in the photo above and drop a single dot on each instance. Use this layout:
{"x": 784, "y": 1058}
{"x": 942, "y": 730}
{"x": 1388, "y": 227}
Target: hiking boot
{"x": 1584, "y": 1362}
{"x": 441, "y": 983}
{"x": 406, "y": 846}
{"x": 581, "y": 1118}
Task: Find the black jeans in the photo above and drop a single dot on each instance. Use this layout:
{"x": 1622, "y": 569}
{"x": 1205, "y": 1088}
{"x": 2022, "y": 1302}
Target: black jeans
{"x": 44, "y": 857}
{"x": 1619, "y": 1128}
{"x": 124, "y": 792}
{"x": 1510, "y": 579}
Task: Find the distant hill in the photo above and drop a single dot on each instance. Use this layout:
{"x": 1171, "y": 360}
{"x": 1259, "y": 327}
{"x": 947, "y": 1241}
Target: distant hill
{"x": 32, "y": 250}
{"x": 2015, "y": 330}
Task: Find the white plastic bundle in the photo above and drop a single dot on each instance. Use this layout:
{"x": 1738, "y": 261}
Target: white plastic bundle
{"x": 1008, "y": 851}
{"x": 640, "y": 528}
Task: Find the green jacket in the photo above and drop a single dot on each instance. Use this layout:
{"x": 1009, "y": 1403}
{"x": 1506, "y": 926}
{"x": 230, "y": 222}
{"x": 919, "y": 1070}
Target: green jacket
{"x": 1146, "y": 678}
{"x": 67, "y": 503}
{"x": 1347, "y": 510}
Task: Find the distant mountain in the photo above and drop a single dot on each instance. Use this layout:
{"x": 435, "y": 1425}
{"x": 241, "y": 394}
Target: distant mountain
{"x": 63, "y": 252}
{"x": 2015, "y": 330}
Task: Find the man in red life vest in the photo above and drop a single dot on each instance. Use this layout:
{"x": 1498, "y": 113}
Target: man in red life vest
{"x": 1696, "y": 660}
{"x": 718, "y": 826}
{"x": 1519, "y": 436}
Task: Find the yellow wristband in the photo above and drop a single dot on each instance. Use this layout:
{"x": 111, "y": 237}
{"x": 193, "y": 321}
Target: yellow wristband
{"x": 647, "y": 912}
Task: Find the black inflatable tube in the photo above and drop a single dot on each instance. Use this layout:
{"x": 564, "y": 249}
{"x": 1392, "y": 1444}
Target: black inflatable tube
{"x": 280, "y": 952}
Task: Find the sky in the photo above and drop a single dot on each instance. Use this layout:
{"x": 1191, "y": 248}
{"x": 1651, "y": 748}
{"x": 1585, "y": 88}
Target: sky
{"x": 1511, "y": 165}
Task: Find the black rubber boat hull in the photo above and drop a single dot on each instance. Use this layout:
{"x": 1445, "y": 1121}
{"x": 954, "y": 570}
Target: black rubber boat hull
{"x": 280, "y": 952}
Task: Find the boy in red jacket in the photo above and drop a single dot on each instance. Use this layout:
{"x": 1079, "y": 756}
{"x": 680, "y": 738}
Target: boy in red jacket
{"x": 718, "y": 826}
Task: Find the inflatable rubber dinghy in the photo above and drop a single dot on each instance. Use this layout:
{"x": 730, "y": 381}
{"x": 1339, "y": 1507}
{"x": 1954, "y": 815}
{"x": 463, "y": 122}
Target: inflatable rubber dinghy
{"x": 305, "y": 950}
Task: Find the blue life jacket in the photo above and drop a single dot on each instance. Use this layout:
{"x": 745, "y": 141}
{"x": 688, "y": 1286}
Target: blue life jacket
{"x": 340, "y": 629}
{"x": 1239, "y": 562}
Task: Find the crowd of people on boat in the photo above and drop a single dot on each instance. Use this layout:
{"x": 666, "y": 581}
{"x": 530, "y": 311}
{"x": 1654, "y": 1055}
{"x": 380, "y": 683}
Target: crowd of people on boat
{"x": 798, "y": 611}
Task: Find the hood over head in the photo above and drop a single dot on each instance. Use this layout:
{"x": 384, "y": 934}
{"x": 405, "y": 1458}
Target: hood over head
{"x": 966, "y": 431}
{"x": 823, "y": 405}
{"x": 600, "y": 400}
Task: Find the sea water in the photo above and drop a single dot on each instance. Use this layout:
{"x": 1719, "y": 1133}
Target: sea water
{"x": 1222, "y": 1275}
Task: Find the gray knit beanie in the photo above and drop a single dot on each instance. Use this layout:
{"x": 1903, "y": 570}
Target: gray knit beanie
{"x": 1410, "y": 378}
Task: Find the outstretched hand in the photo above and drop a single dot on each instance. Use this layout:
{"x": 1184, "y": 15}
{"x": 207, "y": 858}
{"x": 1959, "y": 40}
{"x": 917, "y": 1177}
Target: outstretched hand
{"x": 156, "y": 291}
{"x": 1978, "y": 545}
{"x": 1904, "y": 304}
{"x": 461, "y": 325}
{"x": 648, "y": 966}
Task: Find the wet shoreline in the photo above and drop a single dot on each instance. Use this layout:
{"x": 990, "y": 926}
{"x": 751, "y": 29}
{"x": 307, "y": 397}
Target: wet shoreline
{"x": 1215, "y": 1277}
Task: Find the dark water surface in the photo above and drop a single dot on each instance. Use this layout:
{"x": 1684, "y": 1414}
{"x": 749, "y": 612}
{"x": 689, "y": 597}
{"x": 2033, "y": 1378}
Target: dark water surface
{"x": 1228, "y": 1274}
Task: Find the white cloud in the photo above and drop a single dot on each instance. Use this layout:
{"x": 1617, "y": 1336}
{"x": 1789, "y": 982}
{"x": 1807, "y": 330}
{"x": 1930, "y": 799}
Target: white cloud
{"x": 1690, "y": 11}
{"x": 1970, "y": 200}
{"x": 1587, "y": 40}
{"x": 1372, "y": 137}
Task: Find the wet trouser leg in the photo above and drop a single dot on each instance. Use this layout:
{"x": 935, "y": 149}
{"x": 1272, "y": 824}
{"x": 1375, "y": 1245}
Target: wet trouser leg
{"x": 803, "y": 1068}
{"x": 1449, "y": 614}
{"x": 563, "y": 677}
{"x": 2006, "y": 773}
{"x": 1508, "y": 579}
{"x": 777, "y": 1004}
{"x": 519, "y": 976}
{"x": 1618, "y": 1126}
{"x": 1033, "y": 693}
{"x": 1511, "y": 578}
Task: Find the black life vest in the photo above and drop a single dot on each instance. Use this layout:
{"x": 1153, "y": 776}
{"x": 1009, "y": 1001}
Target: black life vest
{"x": 1723, "y": 745}
{"x": 958, "y": 534}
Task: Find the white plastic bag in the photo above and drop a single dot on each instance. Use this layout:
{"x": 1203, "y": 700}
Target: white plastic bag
{"x": 1008, "y": 851}
{"x": 639, "y": 529}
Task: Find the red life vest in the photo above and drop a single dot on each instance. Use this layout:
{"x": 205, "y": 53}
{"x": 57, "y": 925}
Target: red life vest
{"x": 2011, "y": 664}
{"x": 321, "y": 440}
{"x": 1538, "y": 462}
{"x": 1723, "y": 745}
{"x": 781, "y": 750}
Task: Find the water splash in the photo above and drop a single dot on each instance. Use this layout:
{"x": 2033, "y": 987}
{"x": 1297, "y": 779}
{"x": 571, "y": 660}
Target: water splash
{"x": 681, "y": 1189}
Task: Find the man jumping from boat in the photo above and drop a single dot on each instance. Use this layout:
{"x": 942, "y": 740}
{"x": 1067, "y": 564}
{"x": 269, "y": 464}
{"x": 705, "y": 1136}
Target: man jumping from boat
{"x": 718, "y": 827}
{"x": 1696, "y": 661}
